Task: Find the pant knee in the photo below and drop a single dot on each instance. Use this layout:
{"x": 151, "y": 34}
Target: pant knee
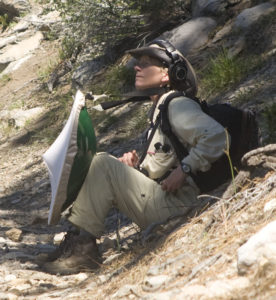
{"x": 103, "y": 157}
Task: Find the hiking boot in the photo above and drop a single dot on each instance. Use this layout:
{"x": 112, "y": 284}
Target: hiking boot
{"x": 64, "y": 247}
{"x": 76, "y": 254}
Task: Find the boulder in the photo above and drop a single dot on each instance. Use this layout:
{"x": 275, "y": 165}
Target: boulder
{"x": 153, "y": 283}
{"x": 23, "y": 48}
{"x": 8, "y": 68}
{"x": 218, "y": 289}
{"x": 125, "y": 291}
{"x": 7, "y": 40}
{"x": 260, "y": 248}
{"x": 51, "y": 19}
{"x": 86, "y": 71}
{"x": 250, "y": 15}
{"x": 22, "y": 25}
{"x": 270, "y": 206}
{"x": 209, "y": 7}
{"x": 14, "y": 234}
{"x": 191, "y": 35}
{"x": 19, "y": 117}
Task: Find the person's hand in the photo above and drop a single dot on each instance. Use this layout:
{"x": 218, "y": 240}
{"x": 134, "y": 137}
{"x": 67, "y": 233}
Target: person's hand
{"x": 130, "y": 158}
{"x": 174, "y": 181}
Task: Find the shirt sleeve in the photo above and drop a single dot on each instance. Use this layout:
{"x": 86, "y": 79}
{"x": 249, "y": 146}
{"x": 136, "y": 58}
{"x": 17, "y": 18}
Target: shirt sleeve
{"x": 204, "y": 137}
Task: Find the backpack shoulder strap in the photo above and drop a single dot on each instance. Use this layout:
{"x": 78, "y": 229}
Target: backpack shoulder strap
{"x": 163, "y": 121}
{"x": 165, "y": 126}
{"x": 153, "y": 129}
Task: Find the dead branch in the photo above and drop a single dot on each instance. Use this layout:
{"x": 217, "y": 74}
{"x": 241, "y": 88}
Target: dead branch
{"x": 262, "y": 152}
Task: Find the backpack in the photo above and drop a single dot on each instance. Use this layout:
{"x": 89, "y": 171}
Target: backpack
{"x": 240, "y": 124}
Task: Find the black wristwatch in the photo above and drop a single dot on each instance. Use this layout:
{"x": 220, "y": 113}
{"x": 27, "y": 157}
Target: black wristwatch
{"x": 185, "y": 168}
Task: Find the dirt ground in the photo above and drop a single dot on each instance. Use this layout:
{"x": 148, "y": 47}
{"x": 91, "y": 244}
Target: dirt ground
{"x": 200, "y": 251}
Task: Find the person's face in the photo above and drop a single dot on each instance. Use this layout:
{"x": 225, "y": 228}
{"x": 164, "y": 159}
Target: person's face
{"x": 150, "y": 73}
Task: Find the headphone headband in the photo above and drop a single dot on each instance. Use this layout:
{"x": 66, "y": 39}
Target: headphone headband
{"x": 169, "y": 49}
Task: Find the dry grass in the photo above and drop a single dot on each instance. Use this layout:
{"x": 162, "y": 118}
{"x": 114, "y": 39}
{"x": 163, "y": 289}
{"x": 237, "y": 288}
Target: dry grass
{"x": 217, "y": 234}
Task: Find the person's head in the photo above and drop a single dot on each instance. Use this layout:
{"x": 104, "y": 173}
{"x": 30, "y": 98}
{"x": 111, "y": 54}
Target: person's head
{"x": 150, "y": 73}
{"x": 178, "y": 72}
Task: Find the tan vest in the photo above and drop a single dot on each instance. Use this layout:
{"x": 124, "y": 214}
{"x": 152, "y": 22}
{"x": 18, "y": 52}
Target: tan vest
{"x": 204, "y": 138}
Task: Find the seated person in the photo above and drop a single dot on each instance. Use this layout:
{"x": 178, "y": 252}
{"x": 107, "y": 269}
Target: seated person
{"x": 138, "y": 188}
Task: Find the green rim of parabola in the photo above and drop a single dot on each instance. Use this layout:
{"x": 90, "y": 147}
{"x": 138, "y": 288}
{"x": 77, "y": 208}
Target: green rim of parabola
{"x": 86, "y": 142}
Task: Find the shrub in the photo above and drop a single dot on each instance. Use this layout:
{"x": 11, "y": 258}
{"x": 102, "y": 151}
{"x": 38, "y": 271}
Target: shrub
{"x": 4, "y": 21}
{"x": 103, "y": 23}
{"x": 117, "y": 79}
{"x": 4, "y": 79}
{"x": 68, "y": 46}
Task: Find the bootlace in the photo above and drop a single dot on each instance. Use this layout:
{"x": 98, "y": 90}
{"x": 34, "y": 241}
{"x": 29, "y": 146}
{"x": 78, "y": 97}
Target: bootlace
{"x": 65, "y": 248}
{"x": 67, "y": 244}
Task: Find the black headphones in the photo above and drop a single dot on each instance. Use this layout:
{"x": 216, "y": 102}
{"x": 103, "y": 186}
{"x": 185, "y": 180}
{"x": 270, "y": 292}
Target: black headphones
{"x": 177, "y": 69}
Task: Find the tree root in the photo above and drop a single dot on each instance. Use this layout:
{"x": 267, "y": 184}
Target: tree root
{"x": 255, "y": 163}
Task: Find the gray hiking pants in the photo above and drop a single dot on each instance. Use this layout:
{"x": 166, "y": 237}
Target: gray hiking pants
{"x": 110, "y": 183}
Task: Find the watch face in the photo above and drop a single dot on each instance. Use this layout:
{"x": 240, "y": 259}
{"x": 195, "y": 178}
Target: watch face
{"x": 186, "y": 168}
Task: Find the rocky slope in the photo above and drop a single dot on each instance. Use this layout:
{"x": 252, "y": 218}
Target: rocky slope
{"x": 226, "y": 252}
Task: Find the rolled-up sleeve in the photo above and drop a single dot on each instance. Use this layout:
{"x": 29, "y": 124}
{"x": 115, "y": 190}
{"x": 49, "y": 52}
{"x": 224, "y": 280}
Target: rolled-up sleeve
{"x": 204, "y": 137}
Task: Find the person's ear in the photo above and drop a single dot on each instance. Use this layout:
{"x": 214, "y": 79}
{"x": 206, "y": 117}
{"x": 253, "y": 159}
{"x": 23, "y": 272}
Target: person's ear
{"x": 165, "y": 78}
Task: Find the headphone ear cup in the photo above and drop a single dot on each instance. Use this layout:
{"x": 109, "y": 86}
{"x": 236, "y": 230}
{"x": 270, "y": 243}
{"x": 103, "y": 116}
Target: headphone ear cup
{"x": 178, "y": 72}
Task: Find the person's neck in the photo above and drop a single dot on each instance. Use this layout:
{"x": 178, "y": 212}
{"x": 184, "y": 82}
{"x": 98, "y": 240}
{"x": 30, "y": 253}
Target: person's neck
{"x": 155, "y": 98}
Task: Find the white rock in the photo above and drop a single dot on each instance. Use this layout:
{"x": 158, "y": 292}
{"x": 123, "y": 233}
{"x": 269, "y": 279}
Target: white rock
{"x": 226, "y": 287}
{"x": 8, "y": 40}
{"x": 21, "y": 49}
{"x": 194, "y": 291}
{"x": 8, "y": 296}
{"x": 260, "y": 246}
{"x": 18, "y": 289}
{"x": 59, "y": 237}
{"x": 154, "y": 270}
{"x": 2, "y": 240}
{"x": 81, "y": 277}
{"x": 155, "y": 282}
{"x": 10, "y": 277}
{"x": 219, "y": 289}
{"x": 90, "y": 286}
{"x": 103, "y": 278}
{"x": 164, "y": 296}
{"x": 51, "y": 18}
{"x": 15, "y": 65}
{"x": 20, "y": 116}
{"x": 124, "y": 291}
{"x": 250, "y": 15}
{"x": 180, "y": 242}
{"x": 270, "y": 206}
{"x": 191, "y": 35}
{"x": 21, "y": 26}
